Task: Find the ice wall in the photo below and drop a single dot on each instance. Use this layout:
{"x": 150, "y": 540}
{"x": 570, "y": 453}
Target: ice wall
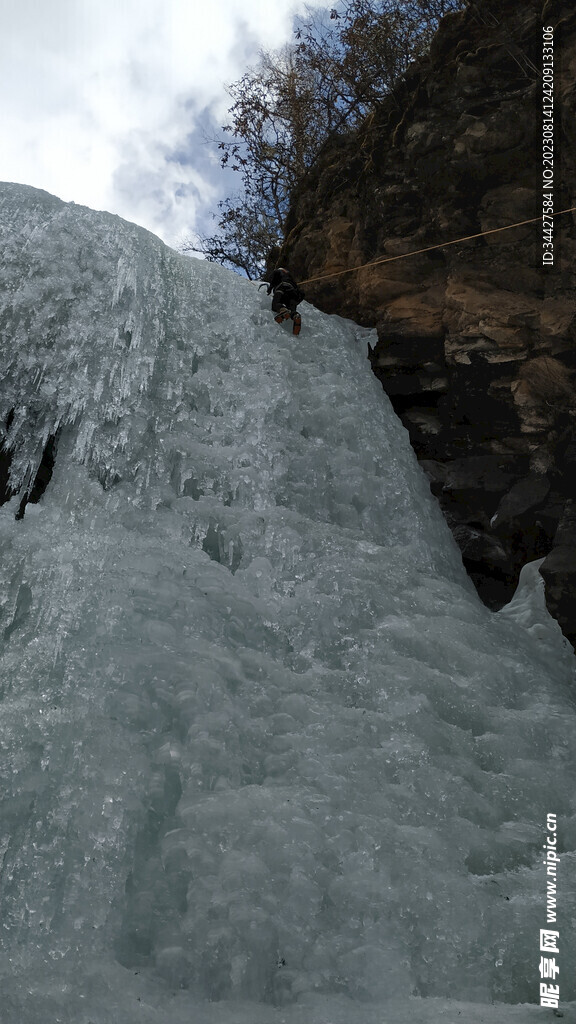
{"x": 265, "y": 756}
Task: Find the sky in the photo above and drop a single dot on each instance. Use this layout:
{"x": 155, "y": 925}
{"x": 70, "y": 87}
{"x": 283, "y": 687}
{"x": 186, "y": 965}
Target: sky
{"x": 107, "y": 103}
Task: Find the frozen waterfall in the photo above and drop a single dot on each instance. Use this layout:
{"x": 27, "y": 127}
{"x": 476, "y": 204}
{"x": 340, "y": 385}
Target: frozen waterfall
{"x": 266, "y": 758}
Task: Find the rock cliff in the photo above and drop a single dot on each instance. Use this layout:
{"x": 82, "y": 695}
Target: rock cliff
{"x": 476, "y": 340}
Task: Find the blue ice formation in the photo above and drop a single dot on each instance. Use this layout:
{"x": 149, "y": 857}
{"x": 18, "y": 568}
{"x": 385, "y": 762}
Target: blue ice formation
{"x": 265, "y": 756}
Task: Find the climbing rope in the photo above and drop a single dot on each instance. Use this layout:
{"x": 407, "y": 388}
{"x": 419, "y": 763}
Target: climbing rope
{"x": 440, "y": 245}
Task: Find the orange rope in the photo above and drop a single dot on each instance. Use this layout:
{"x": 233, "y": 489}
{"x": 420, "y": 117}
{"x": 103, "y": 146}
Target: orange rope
{"x": 440, "y": 245}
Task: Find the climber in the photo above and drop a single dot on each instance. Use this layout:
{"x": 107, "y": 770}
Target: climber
{"x": 286, "y": 296}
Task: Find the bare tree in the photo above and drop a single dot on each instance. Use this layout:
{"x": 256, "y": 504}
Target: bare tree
{"x": 245, "y": 235}
{"x": 337, "y": 70}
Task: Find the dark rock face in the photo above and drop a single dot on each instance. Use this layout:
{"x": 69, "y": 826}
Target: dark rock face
{"x": 43, "y": 474}
{"x": 476, "y": 340}
{"x": 559, "y": 571}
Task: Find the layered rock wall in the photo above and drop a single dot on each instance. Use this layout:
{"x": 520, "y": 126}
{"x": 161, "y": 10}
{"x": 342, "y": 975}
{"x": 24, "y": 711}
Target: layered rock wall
{"x": 477, "y": 340}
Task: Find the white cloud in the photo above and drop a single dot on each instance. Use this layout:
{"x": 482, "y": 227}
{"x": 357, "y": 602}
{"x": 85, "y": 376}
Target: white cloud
{"x": 100, "y": 96}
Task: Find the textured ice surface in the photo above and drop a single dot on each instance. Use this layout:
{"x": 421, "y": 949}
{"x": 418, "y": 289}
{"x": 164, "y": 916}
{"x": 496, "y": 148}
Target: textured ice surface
{"x": 264, "y": 756}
